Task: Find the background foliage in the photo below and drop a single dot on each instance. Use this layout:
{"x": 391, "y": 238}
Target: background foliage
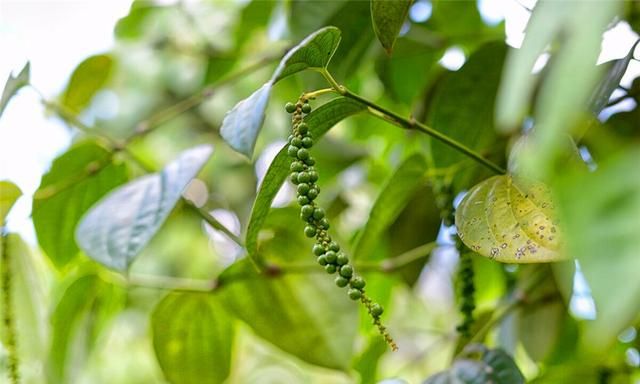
{"x": 160, "y": 284}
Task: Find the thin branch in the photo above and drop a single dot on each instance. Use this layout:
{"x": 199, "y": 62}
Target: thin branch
{"x": 206, "y": 216}
{"x": 402, "y": 122}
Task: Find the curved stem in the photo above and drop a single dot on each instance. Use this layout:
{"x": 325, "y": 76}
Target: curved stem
{"x": 402, "y": 122}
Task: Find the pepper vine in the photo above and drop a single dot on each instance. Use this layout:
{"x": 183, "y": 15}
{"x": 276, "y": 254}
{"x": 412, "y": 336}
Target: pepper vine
{"x": 304, "y": 175}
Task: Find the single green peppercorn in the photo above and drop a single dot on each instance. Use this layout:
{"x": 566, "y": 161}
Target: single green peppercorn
{"x": 341, "y": 281}
{"x": 313, "y": 176}
{"x": 334, "y": 246}
{"x": 342, "y": 259}
{"x": 324, "y": 223}
{"x": 306, "y": 210}
{"x": 318, "y": 213}
{"x": 312, "y": 193}
{"x": 303, "y": 177}
{"x": 357, "y": 282}
{"x": 310, "y": 161}
{"x": 318, "y": 249}
{"x": 306, "y": 142}
{"x": 309, "y": 231}
{"x": 330, "y": 256}
{"x": 290, "y": 107}
{"x": 292, "y": 151}
{"x": 296, "y": 142}
{"x": 303, "y": 189}
{"x": 302, "y": 154}
{"x": 302, "y": 200}
{"x": 294, "y": 177}
{"x": 303, "y": 128}
{"x": 297, "y": 166}
{"x": 330, "y": 268}
{"x": 306, "y": 108}
{"x": 376, "y": 310}
{"x": 354, "y": 294}
{"x": 322, "y": 261}
{"x": 346, "y": 271}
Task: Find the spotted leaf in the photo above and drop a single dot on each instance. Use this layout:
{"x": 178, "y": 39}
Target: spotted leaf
{"x": 511, "y": 221}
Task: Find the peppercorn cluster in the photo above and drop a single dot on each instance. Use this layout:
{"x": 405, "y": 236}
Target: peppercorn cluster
{"x": 467, "y": 291}
{"x": 328, "y": 253}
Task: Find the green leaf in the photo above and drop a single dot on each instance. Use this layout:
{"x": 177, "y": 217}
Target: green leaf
{"x": 510, "y": 221}
{"x": 132, "y": 25}
{"x": 319, "y": 121}
{"x": 193, "y": 338}
{"x": 388, "y": 17}
{"x": 241, "y": 125}
{"x": 13, "y": 85}
{"x": 599, "y": 212}
{"x": 494, "y": 367}
{"x": 396, "y": 193}
{"x": 9, "y": 193}
{"x": 121, "y": 224}
{"x": 77, "y": 179}
{"x": 617, "y": 68}
{"x": 76, "y": 321}
{"x": 398, "y": 72}
{"x": 463, "y": 109}
{"x": 87, "y": 79}
{"x": 305, "y": 315}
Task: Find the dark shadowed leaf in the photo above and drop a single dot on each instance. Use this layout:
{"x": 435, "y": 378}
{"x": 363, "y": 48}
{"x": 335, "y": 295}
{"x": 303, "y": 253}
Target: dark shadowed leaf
{"x": 393, "y": 197}
{"x": 388, "y": 17}
{"x": 319, "y": 121}
{"x": 193, "y": 338}
{"x": 120, "y": 225}
{"x": 13, "y": 85}
{"x": 87, "y": 79}
{"x": 76, "y": 180}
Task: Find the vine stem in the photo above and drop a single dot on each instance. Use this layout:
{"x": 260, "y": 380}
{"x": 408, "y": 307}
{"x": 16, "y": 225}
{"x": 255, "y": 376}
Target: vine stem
{"x": 271, "y": 270}
{"x": 411, "y": 123}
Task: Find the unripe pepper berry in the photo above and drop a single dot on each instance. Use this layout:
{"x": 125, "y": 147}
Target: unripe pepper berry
{"x": 354, "y": 294}
{"x": 357, "y": 283}
{"x": 292, "y": 151}
{"x": 309, "y": 231}
{"x": 376, "y": 310}
{"x": 306, "y": 142}
{"x": 303, "y": 189}
{"x": 306, "y": 210}
{"x": 302, "y": 153}
{"x": 341, "y": 281}
{"x": 290, "y": 107}
{"x": 346, "y": 271}
{"x": 342, "y": 259}
{"x": 306, "y": 108}
{"x": 330, "y": 268}
{"x": 303, "y": 128}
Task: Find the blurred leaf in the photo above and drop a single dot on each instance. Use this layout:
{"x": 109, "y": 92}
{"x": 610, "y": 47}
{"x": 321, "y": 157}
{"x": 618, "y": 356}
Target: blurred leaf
{"x": 626, "y": 124}
{"x": 367, "y": 363}
{"x": 306, "y": 16}
{"x": 9, "y": 193}
{"x": 541, "y": 320}
{"x": 255, "y": 15}
{"x": 494, "y": 367}
{"x": 357, "y": 38}
{"x": 121, "y": 224}
{"x": 193, "y": 338}
{"x": 87, "y": 79}
{"x": 406, "y": 73}
{"x": 13, "y": 85}
{"x": 217, "y": 67}
{"x": 459, "y": 23}
{"x": 463, "y": 109}
{"x": 600, "y": 212}
{"x": 564, "y": 94}
{"x": 616, "y": 69}
{"x": 29, "y": 301}
{"x": 305, "y": 315}
{"x": 241, "y": 125}
{"x": 388, "y": 17}
{"x": 85, "y": 307}
{"x": 131, "y": 26}
{"x": 77, "y": 179}
{"x": 510, "y": 221}
{"x": 395, "y": 194}
{"x": 320, "y": 120}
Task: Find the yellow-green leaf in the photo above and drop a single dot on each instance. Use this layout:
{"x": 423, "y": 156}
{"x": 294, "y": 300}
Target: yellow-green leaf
{"x": 9, "y": 193}
{"x": 511, "y": 221}
{"x": 87, "y": 79}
